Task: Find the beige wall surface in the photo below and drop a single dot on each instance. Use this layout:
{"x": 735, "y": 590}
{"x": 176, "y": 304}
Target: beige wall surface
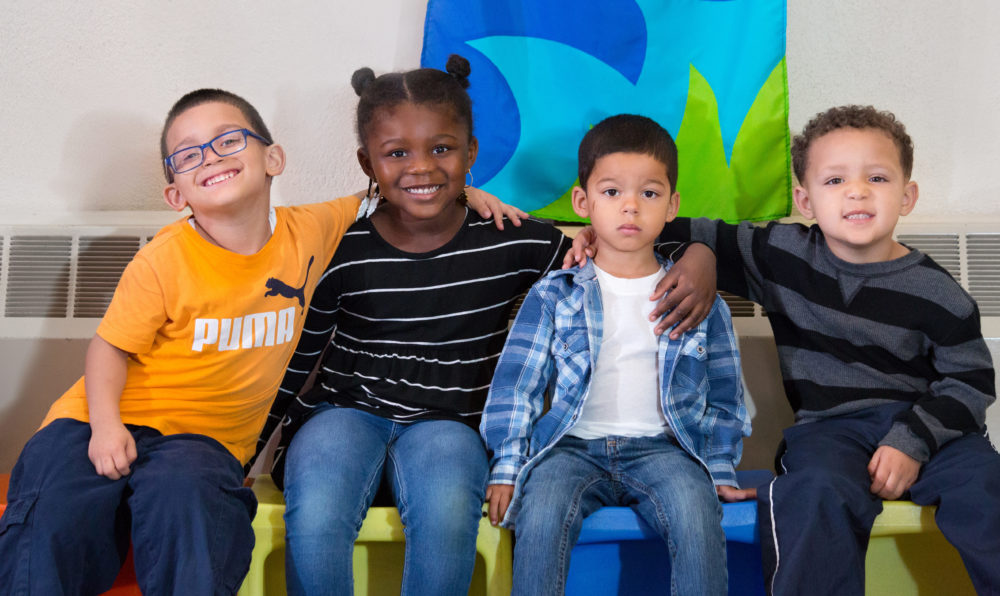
{"x": 85, "y": 87}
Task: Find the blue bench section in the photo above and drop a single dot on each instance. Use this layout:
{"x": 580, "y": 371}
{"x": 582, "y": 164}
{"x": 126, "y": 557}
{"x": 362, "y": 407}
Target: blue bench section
{"x": 617, "y": 553}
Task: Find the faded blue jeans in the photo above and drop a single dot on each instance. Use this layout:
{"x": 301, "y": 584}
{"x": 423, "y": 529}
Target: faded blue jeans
{"x": 437, "y": 470}
{"x": 665, "y": 486}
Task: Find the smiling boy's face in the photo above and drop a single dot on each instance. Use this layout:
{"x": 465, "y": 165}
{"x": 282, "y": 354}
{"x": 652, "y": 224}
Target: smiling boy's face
{"x": 855, "y": 189}
{"x": 220, "y": 186}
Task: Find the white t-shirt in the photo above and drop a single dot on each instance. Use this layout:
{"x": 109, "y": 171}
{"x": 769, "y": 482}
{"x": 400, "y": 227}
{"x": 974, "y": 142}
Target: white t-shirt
{"x": 624, "y": 395}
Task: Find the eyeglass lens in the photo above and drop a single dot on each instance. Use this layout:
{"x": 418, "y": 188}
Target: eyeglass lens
{"x": 223, "y": 145}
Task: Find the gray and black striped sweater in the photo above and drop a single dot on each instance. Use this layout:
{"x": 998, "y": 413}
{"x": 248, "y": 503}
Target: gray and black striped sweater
{"x": 851, "y": 336}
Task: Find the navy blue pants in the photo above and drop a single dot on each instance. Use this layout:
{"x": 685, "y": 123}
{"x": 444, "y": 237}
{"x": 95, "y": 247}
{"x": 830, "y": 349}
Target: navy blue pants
{"x": 817, "y": 514}
{"x": 66, "y": 530}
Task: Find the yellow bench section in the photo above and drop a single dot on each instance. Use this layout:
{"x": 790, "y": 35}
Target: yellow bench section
{"x": 908, "y": 554}
{"x": 378, "y": 551}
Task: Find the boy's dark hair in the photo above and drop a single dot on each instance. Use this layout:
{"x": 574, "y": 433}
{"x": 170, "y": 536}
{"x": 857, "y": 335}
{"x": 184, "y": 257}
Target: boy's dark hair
{"x": 200, "y": 96}
{"x": 627, "y": 133}
{"x": 852, "y": 116}
{"x": 420, "y": 86}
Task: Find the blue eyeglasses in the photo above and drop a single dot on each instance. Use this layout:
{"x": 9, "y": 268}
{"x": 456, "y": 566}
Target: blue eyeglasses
{"x": 228, "y": 143}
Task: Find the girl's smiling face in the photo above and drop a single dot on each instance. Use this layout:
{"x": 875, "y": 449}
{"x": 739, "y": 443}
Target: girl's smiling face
{"x": 419, "y": 155}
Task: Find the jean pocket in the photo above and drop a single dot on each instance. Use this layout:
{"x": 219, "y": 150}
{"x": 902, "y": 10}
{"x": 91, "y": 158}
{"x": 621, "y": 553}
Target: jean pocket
{"x": 17, "y": 512}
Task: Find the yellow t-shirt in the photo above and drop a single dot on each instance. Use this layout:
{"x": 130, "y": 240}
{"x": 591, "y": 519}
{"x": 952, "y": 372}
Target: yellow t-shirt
{"x": 211, "y": 331}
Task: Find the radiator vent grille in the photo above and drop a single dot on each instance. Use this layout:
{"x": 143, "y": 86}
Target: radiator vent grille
{"x": 100, "y": 263}
{"x": 38, "y": 280}
{"x": 945, "y": 249}
{"x": 738, "y": 307}
{"x": 70, "y": 273}
{"x": 983, "y": 252}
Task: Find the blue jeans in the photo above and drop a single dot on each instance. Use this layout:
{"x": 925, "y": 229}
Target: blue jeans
{"x": 437, "y": 470}
{"x": 667, "y": 488}
{"x": 66, "y": 529}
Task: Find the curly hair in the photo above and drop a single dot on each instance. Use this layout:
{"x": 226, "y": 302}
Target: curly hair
{"x": 420, "y": 86}
{"x": 853, "y": 116}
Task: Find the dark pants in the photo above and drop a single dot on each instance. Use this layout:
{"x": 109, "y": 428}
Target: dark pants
{"x": 817, "y": 514}
{"x": 66, "y": 530}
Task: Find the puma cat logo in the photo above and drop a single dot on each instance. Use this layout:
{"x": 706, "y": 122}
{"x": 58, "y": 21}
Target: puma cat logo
{"x": 276, "y": 287}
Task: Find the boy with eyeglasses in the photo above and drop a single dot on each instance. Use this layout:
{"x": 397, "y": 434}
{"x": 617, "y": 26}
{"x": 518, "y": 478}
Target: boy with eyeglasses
{"x": 150, "y": 443}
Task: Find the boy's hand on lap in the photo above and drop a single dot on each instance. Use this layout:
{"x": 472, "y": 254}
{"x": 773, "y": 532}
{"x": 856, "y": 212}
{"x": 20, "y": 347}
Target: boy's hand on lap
{"x": 690, "y": 291}
{"x": 499, "y": 496}
{"x": 112, "y": 451}
{"x": 488, "y": 205}
{"x": 892, "y": 472}
{"x": 731, "y": 494}
{"x": 584, "y": 244}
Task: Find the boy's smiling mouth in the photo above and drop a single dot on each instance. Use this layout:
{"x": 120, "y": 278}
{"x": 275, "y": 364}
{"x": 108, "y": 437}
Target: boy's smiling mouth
{"x": 858, "y": 215}
{"x": 219, "y": 178}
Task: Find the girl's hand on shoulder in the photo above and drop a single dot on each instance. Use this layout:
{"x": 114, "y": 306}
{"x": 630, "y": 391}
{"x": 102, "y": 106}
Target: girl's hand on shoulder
{"x": 584, "y": 245}
{"x": 690, "y": 291}
{"x": 731, "y": 494}
{"x": 112, "y": 450}
{"x": 499, "y": 496}
{"x": 488, "y": 205}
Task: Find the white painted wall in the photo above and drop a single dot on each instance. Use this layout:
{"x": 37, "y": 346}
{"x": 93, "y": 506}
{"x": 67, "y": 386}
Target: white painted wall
{"x": 84, "y": 88}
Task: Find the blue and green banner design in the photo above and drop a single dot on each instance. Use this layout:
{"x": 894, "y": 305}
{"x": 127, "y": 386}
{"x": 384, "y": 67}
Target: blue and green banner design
{"x": 712, "y": 72}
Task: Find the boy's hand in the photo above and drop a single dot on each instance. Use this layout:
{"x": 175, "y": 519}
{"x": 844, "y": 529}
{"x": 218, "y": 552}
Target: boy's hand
{"x": 583, "y": 247}
{"x": 690, "y": 291}
{"x": 499, "y": 496}
{"x": 892, "y": 472}
{"x": 488, "y": 205}
{"x": 112, "y": 451}
{"x": 731, "y": 494}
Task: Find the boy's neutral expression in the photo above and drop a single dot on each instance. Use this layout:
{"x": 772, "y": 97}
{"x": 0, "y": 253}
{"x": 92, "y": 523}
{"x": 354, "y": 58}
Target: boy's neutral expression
{"x": 855, "y": 188}
{"x": 628, "y": 199}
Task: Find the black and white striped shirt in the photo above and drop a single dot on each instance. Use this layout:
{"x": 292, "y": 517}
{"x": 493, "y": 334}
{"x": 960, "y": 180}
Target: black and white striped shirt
{"x": 409, "y": 336}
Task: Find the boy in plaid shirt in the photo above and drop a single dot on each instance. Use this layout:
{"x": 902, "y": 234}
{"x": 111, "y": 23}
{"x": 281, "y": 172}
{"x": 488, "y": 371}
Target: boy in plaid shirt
{"x": 635, "y": 419}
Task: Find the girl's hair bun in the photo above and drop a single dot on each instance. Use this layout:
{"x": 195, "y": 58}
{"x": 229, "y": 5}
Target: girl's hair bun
{"x": 361, "y": 78}
{"x": 459, "y": 68}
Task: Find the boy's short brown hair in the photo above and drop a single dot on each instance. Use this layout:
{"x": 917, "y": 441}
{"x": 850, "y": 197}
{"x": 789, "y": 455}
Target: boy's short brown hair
{"x": 627, "y": 133}
{"x": 852, "y": 116}
{"x": 201, "y": 96}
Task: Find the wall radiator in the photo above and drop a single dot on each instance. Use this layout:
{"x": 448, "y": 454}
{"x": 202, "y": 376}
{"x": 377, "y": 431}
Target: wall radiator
{"x": 56, "y": 281}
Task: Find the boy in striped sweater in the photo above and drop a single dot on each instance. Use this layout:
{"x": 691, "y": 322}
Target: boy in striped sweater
{"x": 883, "y": 361}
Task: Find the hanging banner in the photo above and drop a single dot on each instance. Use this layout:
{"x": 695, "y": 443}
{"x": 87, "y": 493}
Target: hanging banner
{"x": 711, "y": 72}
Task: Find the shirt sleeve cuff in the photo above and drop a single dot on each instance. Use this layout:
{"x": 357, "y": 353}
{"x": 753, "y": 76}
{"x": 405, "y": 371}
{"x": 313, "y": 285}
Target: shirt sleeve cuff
{"x": 723, "y": 473}
{"x": 901, "y": 437}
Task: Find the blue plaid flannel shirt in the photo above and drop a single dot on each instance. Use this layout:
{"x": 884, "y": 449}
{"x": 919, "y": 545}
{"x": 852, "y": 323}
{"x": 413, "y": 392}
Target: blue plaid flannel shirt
{"x": 552, "y": 349}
